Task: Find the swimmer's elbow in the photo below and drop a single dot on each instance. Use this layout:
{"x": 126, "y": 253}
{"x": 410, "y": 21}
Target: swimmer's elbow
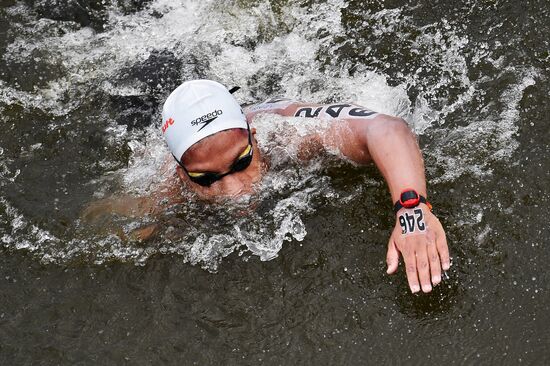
{"x": 390, "y": 124}
{"x": 388, "y": 130}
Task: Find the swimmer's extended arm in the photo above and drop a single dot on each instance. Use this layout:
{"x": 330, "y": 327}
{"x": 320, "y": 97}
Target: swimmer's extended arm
{"x": 392, "y": 146}
{"x": 100, "y": 213}
{"x": 394, "y": 149}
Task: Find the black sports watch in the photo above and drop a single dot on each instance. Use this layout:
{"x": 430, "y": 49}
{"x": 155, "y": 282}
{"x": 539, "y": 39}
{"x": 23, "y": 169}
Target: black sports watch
{"x": 410, "y": 198}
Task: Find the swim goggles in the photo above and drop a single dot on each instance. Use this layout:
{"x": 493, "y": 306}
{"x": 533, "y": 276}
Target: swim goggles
{"x": 242, "y": 162}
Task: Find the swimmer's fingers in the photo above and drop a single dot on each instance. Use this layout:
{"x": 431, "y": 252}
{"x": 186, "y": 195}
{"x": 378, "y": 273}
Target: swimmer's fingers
{"x": 409, "y": 255}
{"x": 443, "y": 250}
{"x": 441, "y": 245}
{"x": 392, "y": 257}
{"x": 422, "y": 264}
{"x": 144, "y": 233}
{"x": 433, "y": 257}
{"x": 407, "y": 247}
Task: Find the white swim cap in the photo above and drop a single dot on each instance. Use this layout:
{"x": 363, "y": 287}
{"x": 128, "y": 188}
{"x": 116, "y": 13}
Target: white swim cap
{"x": 197, "y": 109}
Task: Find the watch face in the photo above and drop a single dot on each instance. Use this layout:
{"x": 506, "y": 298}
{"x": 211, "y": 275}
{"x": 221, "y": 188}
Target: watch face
{"x": 409, "y": 199}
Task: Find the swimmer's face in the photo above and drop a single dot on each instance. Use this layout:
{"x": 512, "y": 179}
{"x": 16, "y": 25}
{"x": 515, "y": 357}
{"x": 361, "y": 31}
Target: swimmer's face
{"x": 217, "y": 154}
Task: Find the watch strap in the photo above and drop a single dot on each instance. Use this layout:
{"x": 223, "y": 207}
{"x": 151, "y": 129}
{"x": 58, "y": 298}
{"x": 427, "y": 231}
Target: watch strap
{"x": 421, "y": 199}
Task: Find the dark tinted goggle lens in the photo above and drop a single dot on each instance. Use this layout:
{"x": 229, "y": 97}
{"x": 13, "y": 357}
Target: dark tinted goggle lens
{"x": 242, "y": 163}
{"x": 206, "y": 179}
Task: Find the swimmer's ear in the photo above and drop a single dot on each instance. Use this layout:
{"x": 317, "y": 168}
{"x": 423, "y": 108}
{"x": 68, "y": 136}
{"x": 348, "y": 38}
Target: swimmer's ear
{"x": 253, "y": 131}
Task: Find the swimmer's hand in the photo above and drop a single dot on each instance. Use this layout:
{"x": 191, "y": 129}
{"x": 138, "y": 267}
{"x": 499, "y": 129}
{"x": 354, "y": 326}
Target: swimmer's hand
{"x": 143, "y": 233}
{"x": 120, "y": 205}
{"x": 425, "y": 254}
{"x": 100, "y": 214}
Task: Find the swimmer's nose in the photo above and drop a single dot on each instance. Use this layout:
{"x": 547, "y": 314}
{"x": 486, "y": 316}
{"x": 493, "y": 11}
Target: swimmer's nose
{"x": 234, "y": 184}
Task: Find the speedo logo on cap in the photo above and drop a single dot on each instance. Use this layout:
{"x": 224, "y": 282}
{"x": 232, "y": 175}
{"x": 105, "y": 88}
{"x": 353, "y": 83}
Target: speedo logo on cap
{"x": 207, "y": 118}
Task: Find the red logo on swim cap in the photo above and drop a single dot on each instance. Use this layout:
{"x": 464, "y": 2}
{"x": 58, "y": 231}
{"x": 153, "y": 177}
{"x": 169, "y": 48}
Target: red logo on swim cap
{"x": 169, "y": 122}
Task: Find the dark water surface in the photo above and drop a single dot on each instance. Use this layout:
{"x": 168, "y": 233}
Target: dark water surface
{"x": 302, "y": 279}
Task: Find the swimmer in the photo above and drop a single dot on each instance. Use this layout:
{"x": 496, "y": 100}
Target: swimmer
{"x": 211, "y": 139}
